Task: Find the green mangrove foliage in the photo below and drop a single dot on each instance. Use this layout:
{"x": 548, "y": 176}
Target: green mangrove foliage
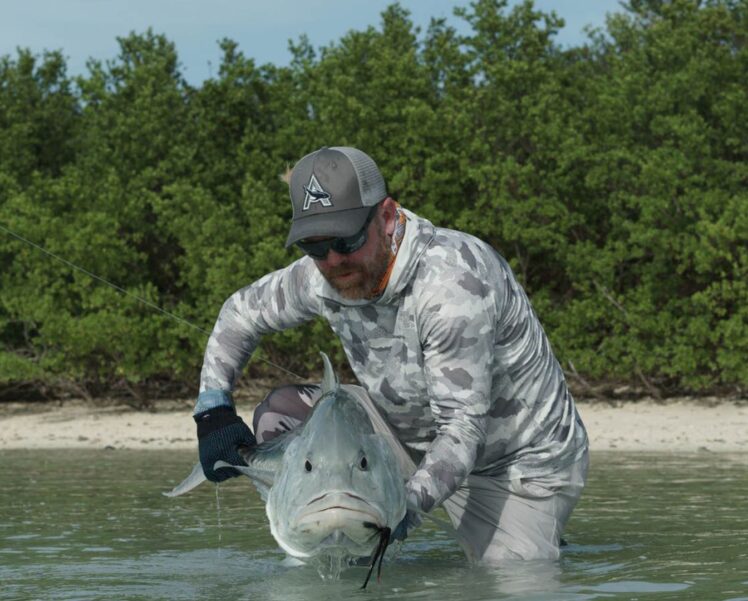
{"x": 612, "y": 175}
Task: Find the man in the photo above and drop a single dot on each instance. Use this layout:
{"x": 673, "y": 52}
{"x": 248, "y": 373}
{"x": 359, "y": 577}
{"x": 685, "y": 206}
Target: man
{"x": 443, "y": 339}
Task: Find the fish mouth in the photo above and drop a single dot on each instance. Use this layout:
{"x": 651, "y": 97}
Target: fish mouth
{"x": 336, "y": 523}
{"x": 339, "y": 510}
{"x": 338, "y": 494}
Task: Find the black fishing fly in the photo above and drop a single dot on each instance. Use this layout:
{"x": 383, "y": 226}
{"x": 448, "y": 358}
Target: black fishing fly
{"x": 384, "y": 541}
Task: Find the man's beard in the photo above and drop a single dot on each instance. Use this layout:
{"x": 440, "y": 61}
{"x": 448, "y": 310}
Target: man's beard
{"x": 356, "y": 281}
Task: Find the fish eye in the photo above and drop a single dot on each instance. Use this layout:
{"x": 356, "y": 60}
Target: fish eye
{"x": 363, "y": 464}
{"x": 307, "y": 466}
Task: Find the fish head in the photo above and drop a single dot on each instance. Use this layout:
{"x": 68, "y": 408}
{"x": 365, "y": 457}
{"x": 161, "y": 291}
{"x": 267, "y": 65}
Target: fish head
{"x": 338, "y": 485}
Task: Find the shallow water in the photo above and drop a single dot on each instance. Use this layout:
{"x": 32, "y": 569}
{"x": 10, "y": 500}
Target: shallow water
{"x": 84, "y": 525}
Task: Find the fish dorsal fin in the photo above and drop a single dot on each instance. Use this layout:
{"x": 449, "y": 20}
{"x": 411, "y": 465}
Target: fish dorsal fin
{"x": 329, "y": 380}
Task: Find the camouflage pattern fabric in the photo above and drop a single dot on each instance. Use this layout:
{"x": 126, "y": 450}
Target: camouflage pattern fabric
{"x": 452, "y": 354}
{"x": 283, "y": 410}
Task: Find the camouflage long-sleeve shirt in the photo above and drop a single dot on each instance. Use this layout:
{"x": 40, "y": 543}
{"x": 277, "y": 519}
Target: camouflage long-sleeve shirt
{"x": 451, "y": 352}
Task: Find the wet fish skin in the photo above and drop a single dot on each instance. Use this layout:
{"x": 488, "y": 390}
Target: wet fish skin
{"x": 330, "y": 485}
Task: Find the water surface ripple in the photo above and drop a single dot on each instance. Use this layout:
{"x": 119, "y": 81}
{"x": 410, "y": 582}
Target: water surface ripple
{"x": 89, "y": 525}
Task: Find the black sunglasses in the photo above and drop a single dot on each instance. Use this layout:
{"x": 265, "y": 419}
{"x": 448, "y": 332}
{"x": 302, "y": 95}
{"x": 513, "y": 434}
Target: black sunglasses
{"x": 343, "y": 246}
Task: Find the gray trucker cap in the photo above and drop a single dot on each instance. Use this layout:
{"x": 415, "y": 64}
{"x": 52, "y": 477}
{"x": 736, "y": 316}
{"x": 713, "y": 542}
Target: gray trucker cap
{"x": 332, "y": 191}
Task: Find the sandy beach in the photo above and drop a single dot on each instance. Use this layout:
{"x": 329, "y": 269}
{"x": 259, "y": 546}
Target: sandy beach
{"x": 683, "y": 425}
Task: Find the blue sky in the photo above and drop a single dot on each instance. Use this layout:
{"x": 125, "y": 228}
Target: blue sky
{"x": 262, "y": 28}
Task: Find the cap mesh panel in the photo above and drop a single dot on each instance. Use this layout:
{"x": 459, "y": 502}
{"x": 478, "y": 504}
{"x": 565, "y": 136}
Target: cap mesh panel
{"x": 370, "y": 181}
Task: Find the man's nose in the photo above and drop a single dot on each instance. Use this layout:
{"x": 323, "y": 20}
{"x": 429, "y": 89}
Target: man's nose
{"x": 333, "y": 259}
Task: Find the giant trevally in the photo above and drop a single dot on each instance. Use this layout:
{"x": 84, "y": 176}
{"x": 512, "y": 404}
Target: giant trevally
{"x": 334, "y": 487}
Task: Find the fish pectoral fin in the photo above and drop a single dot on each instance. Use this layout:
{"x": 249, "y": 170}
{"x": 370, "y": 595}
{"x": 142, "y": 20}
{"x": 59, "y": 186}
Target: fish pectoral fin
{"x": 239, "y": 468}
{"x": 246, "y": 451}
{"x": 261, "y": 480}
{"x": 196, "y": 477}
{"x": 269, "y": 454}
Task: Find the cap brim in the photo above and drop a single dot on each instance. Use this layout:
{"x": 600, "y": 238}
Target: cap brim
{"x": 330, "y": 225}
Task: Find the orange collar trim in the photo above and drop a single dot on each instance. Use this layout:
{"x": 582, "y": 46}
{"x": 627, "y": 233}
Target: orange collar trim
{"x": 397, "y": 238}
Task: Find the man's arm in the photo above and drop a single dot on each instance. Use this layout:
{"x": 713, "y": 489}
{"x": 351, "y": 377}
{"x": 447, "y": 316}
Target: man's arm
{"x": 457, "y": 330}
{"x": 278, "y": 301}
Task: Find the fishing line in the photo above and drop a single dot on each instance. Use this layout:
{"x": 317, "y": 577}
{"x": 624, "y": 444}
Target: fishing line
{"x": 218, "y": 514}
{"x": 131, "y": 295}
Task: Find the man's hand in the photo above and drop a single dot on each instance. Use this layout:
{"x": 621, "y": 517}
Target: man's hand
{"x": 410, "y": 520}
{"x": 219, "y": 431}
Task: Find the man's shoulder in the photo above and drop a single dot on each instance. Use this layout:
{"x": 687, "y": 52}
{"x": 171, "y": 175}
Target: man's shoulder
{"x": 456, "y": 250}
{"x": 458, "y": 269}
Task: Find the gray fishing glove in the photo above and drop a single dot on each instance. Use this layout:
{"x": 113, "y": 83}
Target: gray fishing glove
{"x": 219, "y": 431}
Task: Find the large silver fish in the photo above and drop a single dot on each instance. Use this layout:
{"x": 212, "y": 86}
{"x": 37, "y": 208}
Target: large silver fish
{"x": 333, "y": 486}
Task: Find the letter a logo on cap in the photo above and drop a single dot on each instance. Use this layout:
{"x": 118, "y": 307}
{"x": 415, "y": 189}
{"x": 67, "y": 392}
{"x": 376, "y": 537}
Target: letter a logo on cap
{"x": 315, "y": 193}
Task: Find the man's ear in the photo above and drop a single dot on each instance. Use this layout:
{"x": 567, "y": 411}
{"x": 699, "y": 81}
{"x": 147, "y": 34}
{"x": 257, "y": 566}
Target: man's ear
{"x": 389, "y": 212}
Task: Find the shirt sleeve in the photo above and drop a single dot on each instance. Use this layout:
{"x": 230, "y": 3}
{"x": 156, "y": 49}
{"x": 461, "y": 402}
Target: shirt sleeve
{"x": 278, "y": 301}
{"x": 457, "y": 332}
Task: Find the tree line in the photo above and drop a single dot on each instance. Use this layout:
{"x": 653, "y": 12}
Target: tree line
{"x": 612, "y": 175}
